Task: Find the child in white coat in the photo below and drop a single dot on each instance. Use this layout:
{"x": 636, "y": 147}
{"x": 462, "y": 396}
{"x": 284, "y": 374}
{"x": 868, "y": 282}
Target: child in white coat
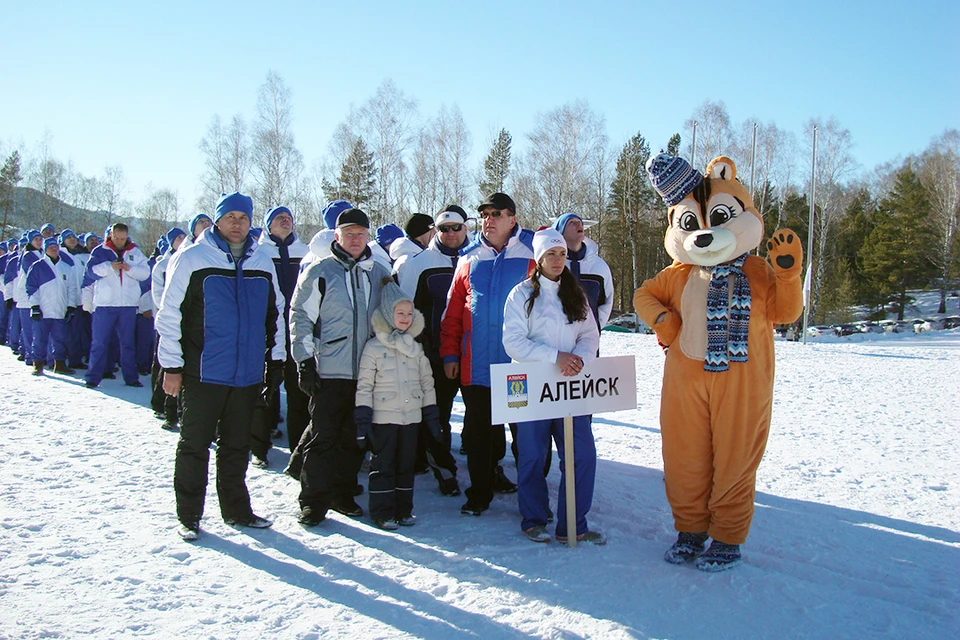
{"x": 395, "y": 394}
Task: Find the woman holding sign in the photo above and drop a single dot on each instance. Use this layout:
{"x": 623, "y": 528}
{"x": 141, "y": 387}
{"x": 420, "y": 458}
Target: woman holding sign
{"x": 547, "y": 319}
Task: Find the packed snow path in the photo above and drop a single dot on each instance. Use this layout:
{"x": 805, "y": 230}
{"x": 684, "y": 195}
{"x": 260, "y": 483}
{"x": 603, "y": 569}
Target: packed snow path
{"x": 856, "y": 535}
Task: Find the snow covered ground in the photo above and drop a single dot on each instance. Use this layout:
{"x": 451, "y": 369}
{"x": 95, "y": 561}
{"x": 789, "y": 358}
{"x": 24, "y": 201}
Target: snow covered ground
{"x": 856, "y": 535}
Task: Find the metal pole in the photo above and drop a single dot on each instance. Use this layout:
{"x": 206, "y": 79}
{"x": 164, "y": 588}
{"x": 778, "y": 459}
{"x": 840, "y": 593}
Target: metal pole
{"x": 570, "y": 481}
{"x": 753, "y": 163}
{"x": 693, "y": 146}
{"x": 813, "y": 200}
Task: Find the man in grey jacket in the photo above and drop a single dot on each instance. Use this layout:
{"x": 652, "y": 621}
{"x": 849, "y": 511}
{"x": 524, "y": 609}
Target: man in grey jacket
{"x": 329, "y": 324}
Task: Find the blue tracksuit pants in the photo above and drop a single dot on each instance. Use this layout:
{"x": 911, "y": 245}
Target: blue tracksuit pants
{"x": 49, "y": 338}
{"x": 533, "y": 443}
{"x": 108, "y": 321}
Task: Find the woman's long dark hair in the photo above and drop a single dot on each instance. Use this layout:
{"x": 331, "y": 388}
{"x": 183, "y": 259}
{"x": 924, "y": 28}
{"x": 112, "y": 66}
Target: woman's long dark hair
{"x": 571, "y": 294}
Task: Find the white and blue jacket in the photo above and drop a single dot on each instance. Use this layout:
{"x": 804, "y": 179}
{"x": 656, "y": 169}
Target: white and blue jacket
{"x": 220, "y": 318}
{"x": 114, "y": 288}
{"x": 28, "y": 257}
{"x": 52, "y": 287}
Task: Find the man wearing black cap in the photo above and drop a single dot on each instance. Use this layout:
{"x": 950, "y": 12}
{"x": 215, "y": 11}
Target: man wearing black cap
{"x": 419, "y": 231}
{"x": 426, "y": 278}
{"x": 329, "y": 324}
{"x": 471, "y": 338}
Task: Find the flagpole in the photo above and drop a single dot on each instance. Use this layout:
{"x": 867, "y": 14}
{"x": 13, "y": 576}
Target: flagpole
{"x": 813, "y": 199}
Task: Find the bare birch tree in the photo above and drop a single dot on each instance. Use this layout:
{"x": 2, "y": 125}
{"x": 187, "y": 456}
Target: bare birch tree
{"x": 940, "y": 174}
{"x": 277, "y": 163}
{"x": 713, "y": 134}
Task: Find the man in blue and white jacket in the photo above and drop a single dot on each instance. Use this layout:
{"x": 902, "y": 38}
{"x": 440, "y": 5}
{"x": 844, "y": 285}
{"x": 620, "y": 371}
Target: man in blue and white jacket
{"x": 51, "y": 288}
{"x": 220, "y": 321}
{"x": 30, "y": 254}
{"x": 118, "y": 266}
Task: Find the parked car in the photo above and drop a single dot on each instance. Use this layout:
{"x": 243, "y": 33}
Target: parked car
{"x": 929, "y": 324}
{"x": 846, "y": 330}
{"x": 818, "y": 330}
{"x": 869, "y": 327}
{"x": 951, "y": 322}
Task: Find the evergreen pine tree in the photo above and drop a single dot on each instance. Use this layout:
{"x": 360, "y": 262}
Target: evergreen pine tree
{"x": 496, "y": 167}
{"x": 896, "y": 257}
{"x": 358, "y": 178}
{"x": 10, "y": 177}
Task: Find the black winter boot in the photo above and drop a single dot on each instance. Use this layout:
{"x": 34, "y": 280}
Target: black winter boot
{"x": 59, "y": 366}
{"x": 38, "y": 367}
{"x": 686, "y": 549}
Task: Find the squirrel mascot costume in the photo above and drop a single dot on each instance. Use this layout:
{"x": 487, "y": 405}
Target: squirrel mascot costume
{"x": 713, "y": 310}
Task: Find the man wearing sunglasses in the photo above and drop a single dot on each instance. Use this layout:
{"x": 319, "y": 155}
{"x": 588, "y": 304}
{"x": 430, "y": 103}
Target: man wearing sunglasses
{"x": 471, "y": 338}
{"x": 426, "y": 278}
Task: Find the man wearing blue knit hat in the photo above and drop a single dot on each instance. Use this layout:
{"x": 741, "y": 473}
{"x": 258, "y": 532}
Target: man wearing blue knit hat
{"x": 586, "y": 265}
{"x": 47, "y": 231}
{"x": 323, "y": 239}
{"x": 222, "y": 344}
{"x": 279, "y": 242}
{"x": 4, "y": 256}
{"x": 10, "y": 270}
{"x": 33, "y": 251}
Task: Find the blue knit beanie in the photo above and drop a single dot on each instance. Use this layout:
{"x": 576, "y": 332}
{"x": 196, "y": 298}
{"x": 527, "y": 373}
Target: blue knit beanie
{"x": 49, "y": 225}
{"x": 673, "y": 178}
{"x": 235, "y": 201}
{"x": 562, "y": 221}
{"x": 66, "y": 233}
{"x": 162, "y": 244}
{"x": 33, "y": 233}
{"x": 196, "y": 219}
{"x": 386, "y": 234}
{"x": 333, "y": 210}
{"x": 50, "y": 242}
{"x": 173, "y": 234}
{"x": 273, "y": 213}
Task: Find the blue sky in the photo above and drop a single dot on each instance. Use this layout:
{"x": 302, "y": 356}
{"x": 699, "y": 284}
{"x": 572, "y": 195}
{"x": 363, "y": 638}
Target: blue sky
{"x": 120, "y": 83}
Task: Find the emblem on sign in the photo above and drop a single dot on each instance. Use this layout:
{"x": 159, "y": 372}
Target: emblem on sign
{"x": 517, "y": 390}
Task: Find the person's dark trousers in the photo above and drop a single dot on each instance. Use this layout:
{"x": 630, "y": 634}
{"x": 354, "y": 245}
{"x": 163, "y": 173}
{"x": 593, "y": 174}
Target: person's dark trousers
{"x": 486, "y": 444}
{"x": 75, "y": 352}
{"x": 86, "y": 335}
{"x": 261, "y": 425}
{"x": 48, "y": 338}
{"x": 331, "y": 459}
{"x": 394, "y": 449}
{"x": 26, "y": 334}
{"x": 213, "y": 411}
{"x": 437, "y": 454}
{"x": 158, "y": 398}
{"x": 13, "y": 330}
{"x": 4, "y": 320}
{"x": 107, "y": 322}
{"x": 446, "y": 390}
{"x": 298, "y": 404}
{"x": 144, "y": 343}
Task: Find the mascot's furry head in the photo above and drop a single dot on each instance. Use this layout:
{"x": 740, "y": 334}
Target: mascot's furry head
{"x": 711, "y": 218}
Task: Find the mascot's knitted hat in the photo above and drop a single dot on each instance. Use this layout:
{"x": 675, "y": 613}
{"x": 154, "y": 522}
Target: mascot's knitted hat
{"x": 672, "y": 177}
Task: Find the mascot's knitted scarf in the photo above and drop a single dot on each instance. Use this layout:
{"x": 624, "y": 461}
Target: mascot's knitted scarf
{"x": 728, "y": 318}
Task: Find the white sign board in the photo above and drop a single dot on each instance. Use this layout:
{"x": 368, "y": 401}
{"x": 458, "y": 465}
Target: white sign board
{"x": 523, "y": 391}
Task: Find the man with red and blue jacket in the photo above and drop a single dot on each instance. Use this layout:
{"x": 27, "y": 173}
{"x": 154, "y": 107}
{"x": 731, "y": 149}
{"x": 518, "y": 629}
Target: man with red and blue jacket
{"x": 223, "y": 342}
{"x": 471, "y": 338}
{"x": 117, "y": 268}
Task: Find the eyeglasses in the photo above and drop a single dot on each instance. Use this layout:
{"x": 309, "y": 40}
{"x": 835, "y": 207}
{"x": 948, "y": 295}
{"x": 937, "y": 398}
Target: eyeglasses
{"x": 450, "y": 228}
{"x": 495, "y": 213}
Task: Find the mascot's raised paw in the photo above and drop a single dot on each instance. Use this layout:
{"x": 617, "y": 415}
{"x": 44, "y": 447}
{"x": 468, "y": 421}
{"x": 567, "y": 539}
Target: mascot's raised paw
{"x": 785, "y": 252}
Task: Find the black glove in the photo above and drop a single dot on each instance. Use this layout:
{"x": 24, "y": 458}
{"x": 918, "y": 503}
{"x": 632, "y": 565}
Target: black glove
{"x": 272, "y": 379}
{"x": 71, "y": 311}
{"x": 431, "y": 416}
{"x": 307, "y": 378}
{"x": 363, "y": 417}
{"x": 35, "y": 313}
{"x": 9, "y": 304}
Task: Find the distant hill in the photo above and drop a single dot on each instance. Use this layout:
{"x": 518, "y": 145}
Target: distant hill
{"x": 33, "y": 209}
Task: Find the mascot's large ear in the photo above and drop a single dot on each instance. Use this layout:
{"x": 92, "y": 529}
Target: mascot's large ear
{"x": 722, "y": 168}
